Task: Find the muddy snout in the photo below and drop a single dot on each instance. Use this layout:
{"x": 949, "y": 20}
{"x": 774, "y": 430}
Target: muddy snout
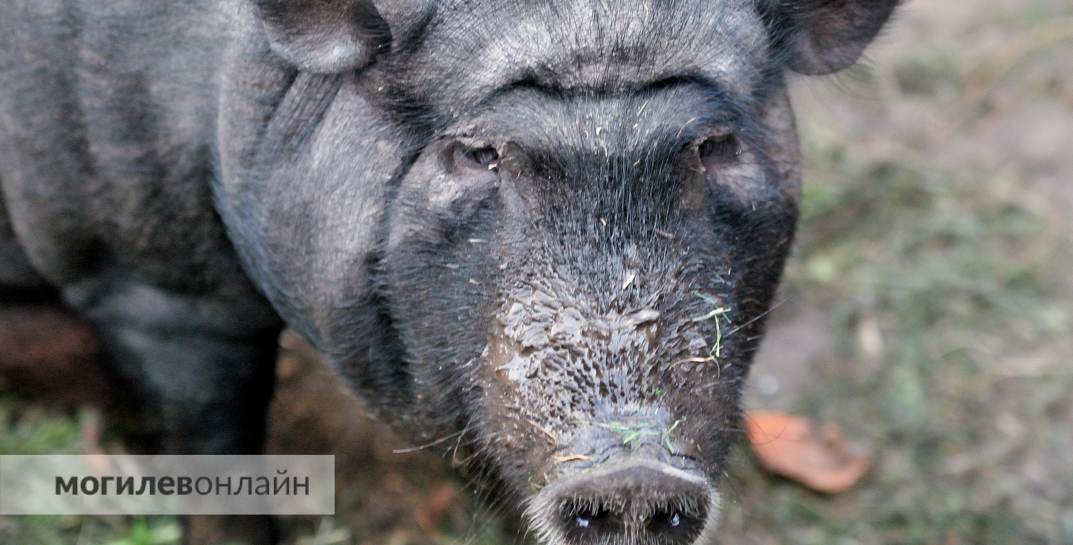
{"x": 626, "y": 502}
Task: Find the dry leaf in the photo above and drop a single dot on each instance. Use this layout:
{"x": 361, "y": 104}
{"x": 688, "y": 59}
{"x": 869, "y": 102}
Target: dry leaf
{"x": 794, "y": 448}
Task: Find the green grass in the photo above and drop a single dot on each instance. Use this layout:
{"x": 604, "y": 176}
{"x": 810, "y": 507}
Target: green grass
{"x": 950, "y": 306}
{"x": 630, "y": 434}
{"x": 143, "y": 532}
{"x": 27, "y": 429}
{"x": 716, "y": 315}
{"x": 956, "y": 281}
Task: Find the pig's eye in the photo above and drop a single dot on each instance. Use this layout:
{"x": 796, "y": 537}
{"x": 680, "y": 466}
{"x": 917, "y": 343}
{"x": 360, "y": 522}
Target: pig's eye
{"x": 482, "y": 158}
{"x": 719, "y": 150}
{"x": 462, "y": 159}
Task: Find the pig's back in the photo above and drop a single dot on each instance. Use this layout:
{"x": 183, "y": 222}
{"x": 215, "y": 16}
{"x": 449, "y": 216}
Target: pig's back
{"x": 107, "y": 112}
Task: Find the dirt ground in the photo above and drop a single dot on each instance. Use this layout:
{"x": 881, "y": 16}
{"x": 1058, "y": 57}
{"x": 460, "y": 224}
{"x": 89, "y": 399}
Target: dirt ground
{"x": 928, "y": 311}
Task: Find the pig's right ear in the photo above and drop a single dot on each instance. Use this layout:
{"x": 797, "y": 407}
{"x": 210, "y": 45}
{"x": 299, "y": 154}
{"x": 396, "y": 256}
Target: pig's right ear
{"x": 825, "y": 36}
{"x": 324, "y": 36}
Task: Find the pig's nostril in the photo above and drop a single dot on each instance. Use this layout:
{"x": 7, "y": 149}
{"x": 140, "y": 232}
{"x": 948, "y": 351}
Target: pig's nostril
{"x": 588, "y": 523}
{"x": 666, "y": 520}
{"x": 639, "y": 502}
{"x": 584, "y": 521}
{"x": 593, "y": 525}
{"x": 674, "y": 526}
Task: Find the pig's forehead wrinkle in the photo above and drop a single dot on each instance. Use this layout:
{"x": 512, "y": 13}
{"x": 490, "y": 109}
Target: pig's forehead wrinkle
{"x": 638, "y": 127}
{"x": 473, "y": 48}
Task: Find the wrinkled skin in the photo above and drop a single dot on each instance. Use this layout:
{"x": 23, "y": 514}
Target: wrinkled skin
{"x": 541, "y": 235}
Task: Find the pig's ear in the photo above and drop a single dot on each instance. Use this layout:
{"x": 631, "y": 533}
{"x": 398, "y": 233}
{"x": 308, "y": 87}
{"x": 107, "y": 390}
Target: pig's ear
{"x": 324, "y": 36}
{"x": 824, "y": 36}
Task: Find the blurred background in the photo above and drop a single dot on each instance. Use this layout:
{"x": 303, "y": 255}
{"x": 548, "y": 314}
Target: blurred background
{"x": 927, "y": 311}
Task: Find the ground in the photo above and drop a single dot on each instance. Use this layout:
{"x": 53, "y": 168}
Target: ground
{"x": 927, "y": 310}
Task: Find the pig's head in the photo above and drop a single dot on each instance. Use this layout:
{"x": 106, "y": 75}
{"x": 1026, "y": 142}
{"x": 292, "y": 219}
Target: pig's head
{"x": 543, "y": 235}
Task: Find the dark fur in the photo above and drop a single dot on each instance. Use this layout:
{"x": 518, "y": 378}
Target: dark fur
{"x": 191, "y": 175}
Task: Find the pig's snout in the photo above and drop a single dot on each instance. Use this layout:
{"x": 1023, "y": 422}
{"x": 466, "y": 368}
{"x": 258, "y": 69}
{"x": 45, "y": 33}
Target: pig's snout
{"x": 629, "y": 502}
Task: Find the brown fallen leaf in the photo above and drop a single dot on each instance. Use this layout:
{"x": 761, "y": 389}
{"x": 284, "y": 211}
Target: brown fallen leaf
{"x": 795, "y": 448}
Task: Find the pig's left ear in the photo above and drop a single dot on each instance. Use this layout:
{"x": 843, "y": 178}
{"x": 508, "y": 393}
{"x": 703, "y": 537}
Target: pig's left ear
{"x": 825, "y": 36}
{"x": 324, "y": 36}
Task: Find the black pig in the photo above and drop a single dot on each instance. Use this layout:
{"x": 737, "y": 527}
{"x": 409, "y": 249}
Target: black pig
{"x": 544, "y": 231}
